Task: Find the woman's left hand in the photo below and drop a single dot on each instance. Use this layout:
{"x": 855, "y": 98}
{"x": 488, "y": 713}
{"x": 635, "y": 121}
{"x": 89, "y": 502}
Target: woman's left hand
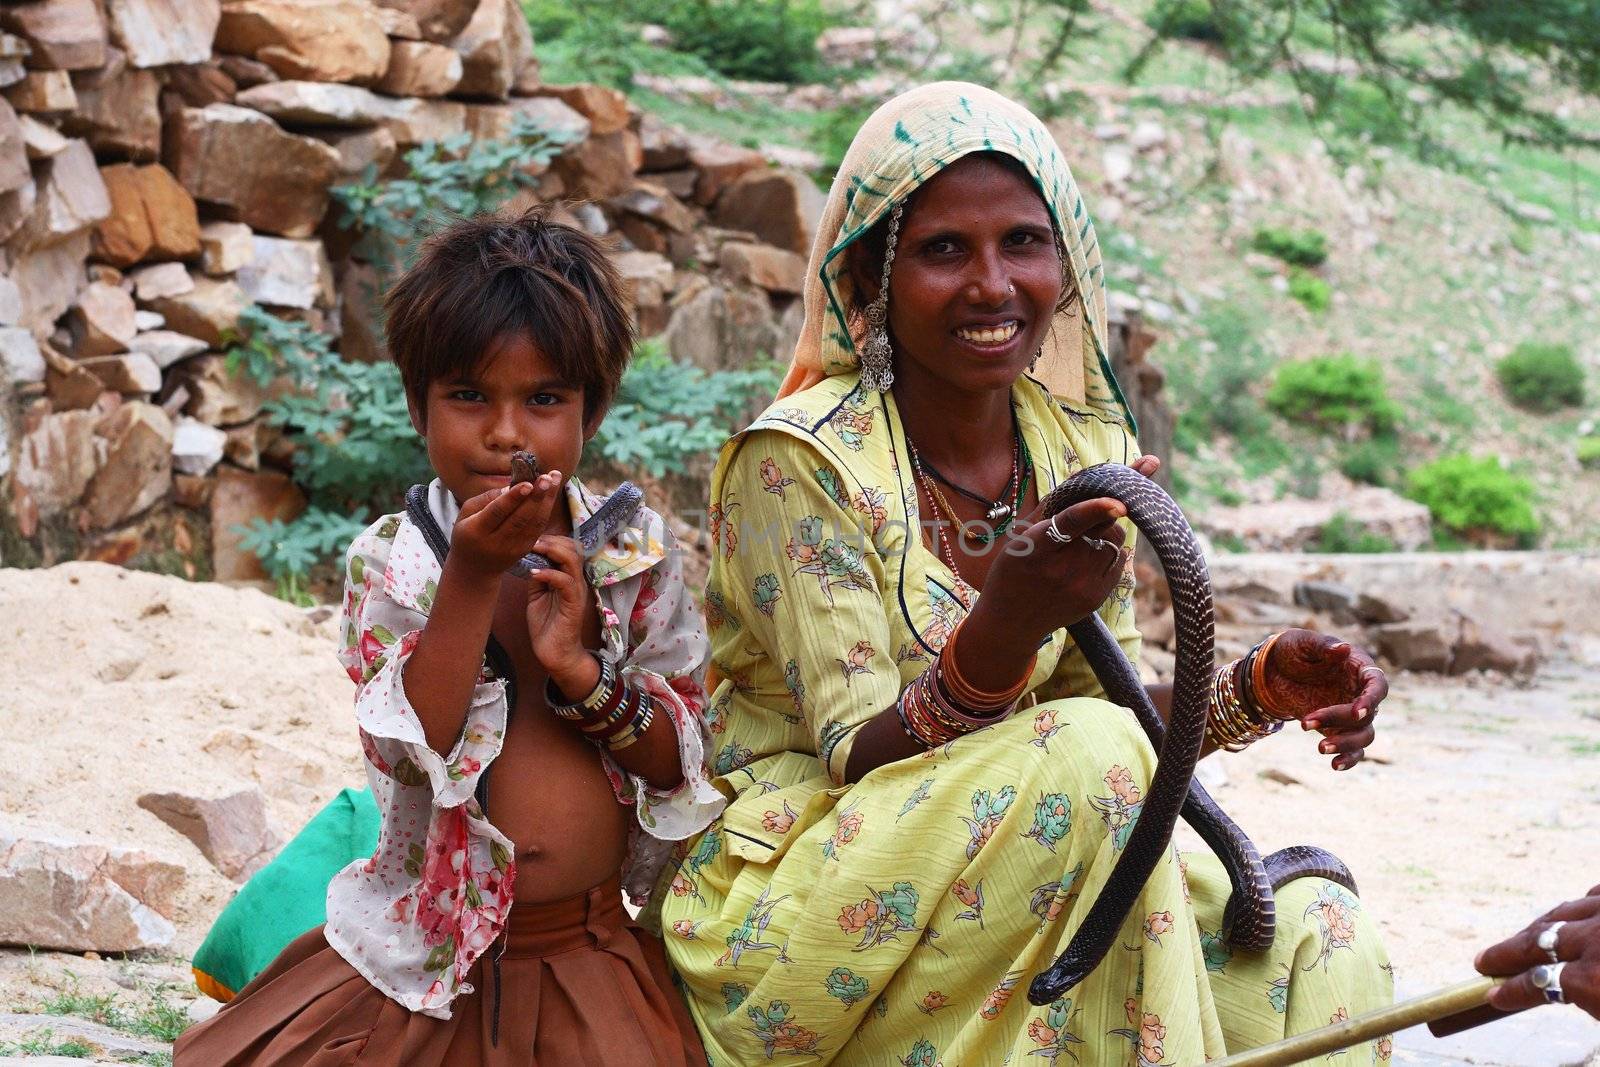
{"x": 1330, "y": 685}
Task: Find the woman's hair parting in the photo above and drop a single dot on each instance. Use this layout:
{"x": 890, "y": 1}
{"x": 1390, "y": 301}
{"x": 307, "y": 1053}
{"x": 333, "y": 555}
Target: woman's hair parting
{"x": 492, "y": 276}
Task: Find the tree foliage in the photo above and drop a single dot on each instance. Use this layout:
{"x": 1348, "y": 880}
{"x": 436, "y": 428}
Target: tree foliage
{"x": 1508, "y": 63}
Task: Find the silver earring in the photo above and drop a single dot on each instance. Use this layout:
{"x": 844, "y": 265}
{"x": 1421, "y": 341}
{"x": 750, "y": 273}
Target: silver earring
{"x": 1034, "y": 362}
{"x": 877, "y": 355}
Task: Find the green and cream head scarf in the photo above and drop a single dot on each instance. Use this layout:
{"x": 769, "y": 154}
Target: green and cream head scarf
{"x": 904, "y": 143}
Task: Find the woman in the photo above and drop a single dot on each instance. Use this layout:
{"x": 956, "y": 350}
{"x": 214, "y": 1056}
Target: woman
{"x": 909, "y": 842}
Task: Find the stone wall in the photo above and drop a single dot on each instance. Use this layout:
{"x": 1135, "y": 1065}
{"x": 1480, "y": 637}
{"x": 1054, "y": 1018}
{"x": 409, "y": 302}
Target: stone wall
{"x": 164, "y": 164}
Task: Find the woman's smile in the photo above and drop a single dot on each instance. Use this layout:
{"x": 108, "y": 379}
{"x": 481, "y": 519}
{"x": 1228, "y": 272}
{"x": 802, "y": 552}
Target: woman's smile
{"x": 997, "y": 339}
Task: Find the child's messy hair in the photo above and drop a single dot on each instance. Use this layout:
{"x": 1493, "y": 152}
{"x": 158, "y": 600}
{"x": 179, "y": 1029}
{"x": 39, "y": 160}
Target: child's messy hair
{"x": 488, "y": 277}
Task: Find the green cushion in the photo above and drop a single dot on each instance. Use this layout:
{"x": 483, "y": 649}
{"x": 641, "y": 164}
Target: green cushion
{"x": 287, "y": 897}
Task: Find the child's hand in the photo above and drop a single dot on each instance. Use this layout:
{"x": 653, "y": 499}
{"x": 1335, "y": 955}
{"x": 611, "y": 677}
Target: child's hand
{"x": 499, "y": 527}
{"x": 558, "y": 598}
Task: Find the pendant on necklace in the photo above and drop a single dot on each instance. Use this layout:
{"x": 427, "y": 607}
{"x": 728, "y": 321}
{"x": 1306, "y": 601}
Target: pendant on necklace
{"x": 999, "y": 512}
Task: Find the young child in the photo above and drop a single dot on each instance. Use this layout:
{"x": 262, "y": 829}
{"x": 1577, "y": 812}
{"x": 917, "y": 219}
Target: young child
{"x": 488, "y": 928}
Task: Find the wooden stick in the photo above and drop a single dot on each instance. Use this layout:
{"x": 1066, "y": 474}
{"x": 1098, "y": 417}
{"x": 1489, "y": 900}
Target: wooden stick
{"x": 1436, "y": 1005}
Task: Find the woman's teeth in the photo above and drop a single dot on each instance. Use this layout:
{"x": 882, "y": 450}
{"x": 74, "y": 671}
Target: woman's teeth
{"x": 989, "y": 335}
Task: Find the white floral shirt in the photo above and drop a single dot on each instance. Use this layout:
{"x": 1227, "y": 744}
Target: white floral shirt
{"x": 434, "y": 896}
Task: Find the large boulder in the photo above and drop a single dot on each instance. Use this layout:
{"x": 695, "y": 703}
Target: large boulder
{"x": 63, "y": 34}
{"x": 1482, "y": 647}
{"x": 776, "y": 270}
{"x": 210, "y": 308}
{"x": 49, "y": 280}
{"x": 719, "y": 165}
{"x": 118, "y": 110}
{"x": 225, "y": 247}
{"x": 14, "y": 156}
{"x": 240, "y": 498}
{"x": 360, "y": 149}
{"x": 718, "y": 328}
{"x": 1415, "y": 645}
{"x": 604, "y": 107}
{"x": 72, "y": 197}
{"x": 55, "y": 461}
{"x": 156, "y": 33}
{"x": 20, "y": 358}
{"x": 152, "y": 217}
{"x": 421, "y": 68}
{"x": 438, "y": 20}
{"x": 137, "y": 470}
{"x": 412, "y": 122}
{"x": 287, "y": 273}
{"x": 782, "y": 207}
{"x": 496, "y": 49}
{"x": 242, "y": 161}
{"x": 230, "y": 829}
{"x": 318, "y": 40}
{"x": 601, "y": 167}
{"x": 43, "y": 92}
{"x": 102, "y": 321}
{"x": 166, "y": 347}
{"x": 310, "y": 103}
{"x": 218, "y": 396}
{"x": 80, "y": 897}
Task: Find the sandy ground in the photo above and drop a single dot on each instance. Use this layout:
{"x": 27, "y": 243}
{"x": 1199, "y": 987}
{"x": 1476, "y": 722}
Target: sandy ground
{"x": 1479, "y": 809}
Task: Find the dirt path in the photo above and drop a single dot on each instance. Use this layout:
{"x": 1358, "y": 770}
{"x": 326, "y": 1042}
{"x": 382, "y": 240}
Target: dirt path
{"x": 1480, "y": 809}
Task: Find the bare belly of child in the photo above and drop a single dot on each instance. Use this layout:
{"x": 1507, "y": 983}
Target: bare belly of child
{"x": 548, "y": 791}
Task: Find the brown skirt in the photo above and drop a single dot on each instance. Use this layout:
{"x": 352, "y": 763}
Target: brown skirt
{"x": 579, "y": 984}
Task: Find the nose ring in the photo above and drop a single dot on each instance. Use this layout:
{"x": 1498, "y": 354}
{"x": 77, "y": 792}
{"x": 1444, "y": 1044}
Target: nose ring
{"x": 1011, "y": 288}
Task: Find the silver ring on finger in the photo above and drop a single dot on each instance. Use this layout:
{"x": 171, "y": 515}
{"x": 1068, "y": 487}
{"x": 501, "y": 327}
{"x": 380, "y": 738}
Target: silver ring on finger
{"x": 1548, "y": 939}
{"x": 1547, "y": 977}
{"x": 1096, "y": 543}
{"x": 1055, "y": 534}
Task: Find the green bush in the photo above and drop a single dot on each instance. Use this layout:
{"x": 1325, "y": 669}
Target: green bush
{"x": 1477, "y": 499}
{"x": 1310, "y": 290}
{"x": 456, "y": 177}
{"x": 1542, "y": 377}
{"x": 1302, "y": 248}
{"x": 355, "y": 452}
{"x": 1374, "y": 461}
{"x": 1589, "y": 451}
{"x": 1336, "y": 392}
{"x": 1192, "y": 20}
{"x": 1343, "y": 534}
{"x": 667, "y": 414}
{"x": 760, "y": 40}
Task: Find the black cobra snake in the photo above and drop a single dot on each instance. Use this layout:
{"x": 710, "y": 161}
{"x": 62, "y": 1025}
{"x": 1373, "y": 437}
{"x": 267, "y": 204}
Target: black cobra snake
{"x": 1249, "y": 921}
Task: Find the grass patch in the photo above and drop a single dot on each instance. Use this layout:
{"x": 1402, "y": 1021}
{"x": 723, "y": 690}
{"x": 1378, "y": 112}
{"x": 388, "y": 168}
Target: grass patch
{"x": 44, "y": 1043}
{"x": 152, "y": 1016}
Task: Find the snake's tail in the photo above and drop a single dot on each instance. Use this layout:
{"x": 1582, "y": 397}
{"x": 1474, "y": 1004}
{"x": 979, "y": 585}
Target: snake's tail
{"x": 1145, "y": 848}
{"x": 1307, "y": 861}
{"x": 1249, "y": 921}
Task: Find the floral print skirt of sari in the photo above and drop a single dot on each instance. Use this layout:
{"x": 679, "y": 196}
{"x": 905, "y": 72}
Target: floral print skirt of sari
{"x": 902, "y": 918}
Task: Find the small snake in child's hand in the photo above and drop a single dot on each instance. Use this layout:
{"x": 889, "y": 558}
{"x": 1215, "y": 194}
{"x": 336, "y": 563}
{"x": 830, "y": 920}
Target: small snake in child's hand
{"x": 602, "y": 526}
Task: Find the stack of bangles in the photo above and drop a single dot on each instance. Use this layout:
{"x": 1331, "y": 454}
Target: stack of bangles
{"x": 940, "y": 706}
{"x": 1240, "y": 713}
{"x": 614, "y": 715}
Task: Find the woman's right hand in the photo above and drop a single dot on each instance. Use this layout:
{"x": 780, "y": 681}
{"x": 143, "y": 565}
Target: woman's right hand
{"x": 1037, "y": 585}
{"x": 499, "y": 527}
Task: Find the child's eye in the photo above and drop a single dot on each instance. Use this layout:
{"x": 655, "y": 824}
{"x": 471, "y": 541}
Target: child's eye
{"x": 544, "y": 400}
{"x": 469, "y": 395}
